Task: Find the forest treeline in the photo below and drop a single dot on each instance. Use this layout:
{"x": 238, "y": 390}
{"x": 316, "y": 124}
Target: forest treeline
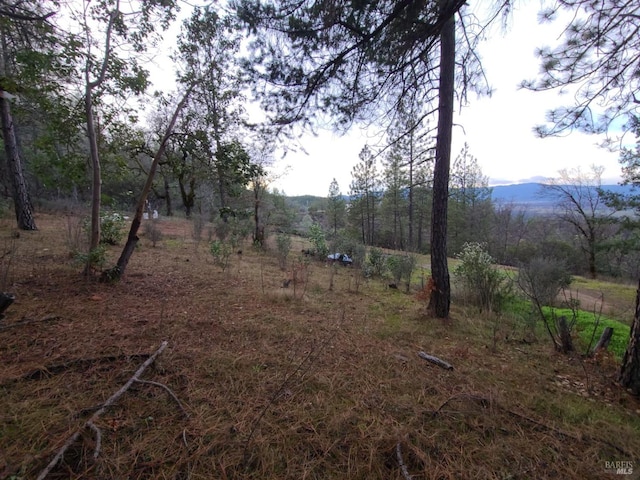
{"x": 82, "y": 126}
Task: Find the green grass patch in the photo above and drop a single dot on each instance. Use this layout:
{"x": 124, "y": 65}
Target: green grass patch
{"x": 173, "y": 243}
{"x": 585, "y": 324}
{"x": 584, "y": 327}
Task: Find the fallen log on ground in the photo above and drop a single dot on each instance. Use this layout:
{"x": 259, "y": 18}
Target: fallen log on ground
{"x": 90, "y": 424}
{"x": 435, "y": 361}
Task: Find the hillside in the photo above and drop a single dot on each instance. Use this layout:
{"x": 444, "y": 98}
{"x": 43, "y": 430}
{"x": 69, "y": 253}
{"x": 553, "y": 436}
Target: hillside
{"x": 318, "y": 380}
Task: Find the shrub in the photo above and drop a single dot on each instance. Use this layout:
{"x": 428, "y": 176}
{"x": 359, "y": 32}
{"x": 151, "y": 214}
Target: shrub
{"x": 96, "y": 258}
{"x": 401, "y": 267}
{"x": 541, "y": 280}
{"x": 283, "y": 244}
{"x": 318, "y": 240}
{"x": 483, "y": 282}
{"x": 111, "y": 227}
{"x": 221, "y": 252}
{"x": 152, "y": 232}
{"x": 77, "y": 237}
{"x": 376, "y": 263}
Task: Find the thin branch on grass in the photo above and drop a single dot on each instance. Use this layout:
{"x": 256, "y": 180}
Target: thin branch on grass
{"x": 435, "y": 361}
{"x": 403, "y": 467}
{"x": 484, "y": 402}
{"x": 598, "y": 315}
{"x": 166, "y": 389}
{"x": 91, "y": 422}
{"x": 98, "y": 434}
{"x": 48, "y": 318}
{"x": 308, "y": 361}
{"x": 48, "y": 371}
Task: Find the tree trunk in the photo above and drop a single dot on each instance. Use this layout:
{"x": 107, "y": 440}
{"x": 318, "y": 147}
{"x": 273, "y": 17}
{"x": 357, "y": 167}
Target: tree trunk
{"x": 564, "y": 335}
{"x": 593, "y": 272}
{"x": 630, "y": 370}
{"x": 604, "y": 341}
{"x": 19, "y": 192}
{"x": 96, "y": 177}
{"x": 440, "y": 300}
{"x": 410, "y": 241}
{"x": 167, "y": 197}
{"x": 132, "y": 239}
{"x": 258, "y": 234}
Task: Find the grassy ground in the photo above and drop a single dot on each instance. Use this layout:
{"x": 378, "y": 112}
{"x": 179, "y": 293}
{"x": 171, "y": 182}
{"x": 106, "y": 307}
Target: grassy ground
{"x": 301, "y": 382}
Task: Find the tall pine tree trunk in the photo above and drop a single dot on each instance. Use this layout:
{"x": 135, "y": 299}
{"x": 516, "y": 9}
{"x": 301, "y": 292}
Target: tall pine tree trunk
{"x": 20, "y": 193}
{"x": 440, "y": 300}
{"x": 630, "y": 370}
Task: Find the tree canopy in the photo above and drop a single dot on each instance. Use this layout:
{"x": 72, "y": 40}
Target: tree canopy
{"x": 599, "y": 55}
{"x": 351, "y": 61}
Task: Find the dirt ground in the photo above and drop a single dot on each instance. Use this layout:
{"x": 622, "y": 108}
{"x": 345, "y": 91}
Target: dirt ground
{"x": 318, "y": 380}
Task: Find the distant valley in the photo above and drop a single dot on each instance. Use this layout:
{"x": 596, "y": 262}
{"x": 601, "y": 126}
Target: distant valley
{"x": 523, "y": 195}
{"x": 529, "y": 195}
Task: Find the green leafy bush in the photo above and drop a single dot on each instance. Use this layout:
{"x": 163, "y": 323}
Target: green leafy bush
{"x": 318, "y": 240}
{"x": 221, "y": 252}
{"x": 376, "y": 263}
{"x": 96, "y": 258}
{"x": 401, "y": 267}
{"x": 111, "y": 228}
{"x": 283, "y": 244}
{"x": 481, "y": 279}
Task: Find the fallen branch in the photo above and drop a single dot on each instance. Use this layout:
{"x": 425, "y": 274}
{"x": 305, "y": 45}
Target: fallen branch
{"x": 98, "y": 433}
{"x": 435, "y": 361}
{"x": 166, "y": 389}
{"x": 91, "y": 422}
{"x": 484, "y": 402}
{"x": 303, "y": 367}
{"x": 564, "y": 433}
{"x": 48, "y": 318}
{"x": 403, "y": 467}
{"x": 488, "y": 402}
{"x": 49, "y": 371}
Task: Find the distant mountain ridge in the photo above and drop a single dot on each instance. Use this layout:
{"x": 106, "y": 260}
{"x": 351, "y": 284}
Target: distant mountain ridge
{"x": 530, "y": 193}
{"x": 520, "y": 194}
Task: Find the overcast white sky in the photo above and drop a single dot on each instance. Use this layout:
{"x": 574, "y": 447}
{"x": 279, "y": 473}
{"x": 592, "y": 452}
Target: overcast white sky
{"x": 499, "y": 130}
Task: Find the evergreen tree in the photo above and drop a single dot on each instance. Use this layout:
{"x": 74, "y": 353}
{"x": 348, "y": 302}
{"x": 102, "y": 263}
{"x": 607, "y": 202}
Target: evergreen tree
{"x": 470, "y": 202}
{"x": 357, "y": 61}
{"x": 600, "y": 56}
{"x": 393, "y": 208}
{"x": 363, "y": 193}
{"x": 336, "y": 207}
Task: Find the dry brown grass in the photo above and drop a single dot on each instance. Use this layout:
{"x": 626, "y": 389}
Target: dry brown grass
{"x": 280, "y": 386}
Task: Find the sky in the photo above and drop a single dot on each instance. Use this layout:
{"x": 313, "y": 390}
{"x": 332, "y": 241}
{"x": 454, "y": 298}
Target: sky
{"x": 498, "y": 130}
